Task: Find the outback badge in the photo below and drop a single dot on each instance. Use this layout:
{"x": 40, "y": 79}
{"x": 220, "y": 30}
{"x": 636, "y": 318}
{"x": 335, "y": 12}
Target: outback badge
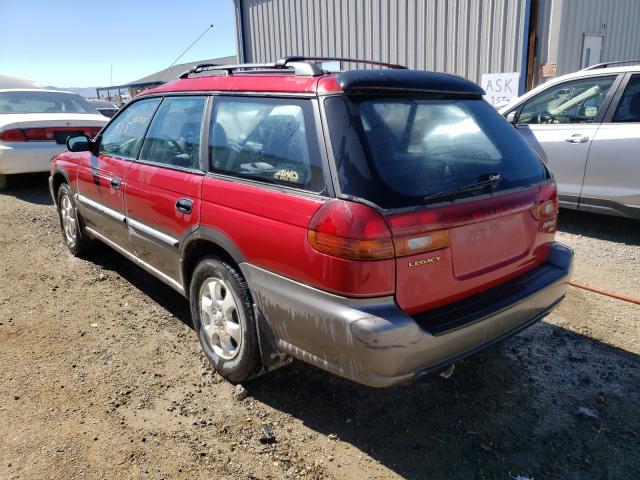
{"x": 424, "y": 261}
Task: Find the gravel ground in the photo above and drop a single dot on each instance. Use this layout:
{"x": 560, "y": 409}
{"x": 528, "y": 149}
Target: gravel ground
{"x": 101, "y": 376}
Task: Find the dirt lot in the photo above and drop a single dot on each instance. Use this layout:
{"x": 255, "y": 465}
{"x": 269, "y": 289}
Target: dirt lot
{"x": 101, "y": 376}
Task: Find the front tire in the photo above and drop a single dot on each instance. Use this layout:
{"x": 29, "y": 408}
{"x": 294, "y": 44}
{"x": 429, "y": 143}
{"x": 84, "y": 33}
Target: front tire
{"x": 221, "y": 308}
{"x": 70, "y": 224}
{"x": 3, "y": 182}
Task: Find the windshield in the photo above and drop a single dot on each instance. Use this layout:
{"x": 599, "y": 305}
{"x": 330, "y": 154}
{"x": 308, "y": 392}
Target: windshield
{"x": 399, "y": 152}
{"x": 43, "y": 102}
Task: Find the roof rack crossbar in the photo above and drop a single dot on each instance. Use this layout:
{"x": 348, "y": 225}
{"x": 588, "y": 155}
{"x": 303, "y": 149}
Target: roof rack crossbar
{"x": 339, "y": 59}
{"x": 299, "y": 68}
{"x": 304, "y": 66}
{"x": 608, "y": 64}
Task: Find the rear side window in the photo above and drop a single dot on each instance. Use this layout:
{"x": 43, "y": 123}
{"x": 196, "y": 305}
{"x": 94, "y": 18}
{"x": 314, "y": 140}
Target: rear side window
{"x": 272, "y": 140}
{"x": 174, "y": 135}
{"x": 396, "y": 152}
{"x": 123, "y": 136}
{"x": 628, "y": 109}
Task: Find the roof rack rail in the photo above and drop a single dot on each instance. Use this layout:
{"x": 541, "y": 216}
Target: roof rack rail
{"x": 608, "y": 64}
{"x": 303, "y": 66}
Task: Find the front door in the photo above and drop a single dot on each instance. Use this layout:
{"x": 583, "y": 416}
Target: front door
{"x": 163, "y": 187}
{"x": 560, "y": 122}
{"x": 612, "y": 178}
{"x": 101, "y": 186}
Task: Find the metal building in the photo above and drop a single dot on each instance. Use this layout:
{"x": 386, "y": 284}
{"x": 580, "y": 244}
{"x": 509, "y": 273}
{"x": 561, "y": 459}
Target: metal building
{"x": 535, "y": 38}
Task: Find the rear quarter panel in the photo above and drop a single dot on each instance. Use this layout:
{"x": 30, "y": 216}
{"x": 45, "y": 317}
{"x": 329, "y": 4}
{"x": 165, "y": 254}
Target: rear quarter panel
{"x": 269, "y": 226}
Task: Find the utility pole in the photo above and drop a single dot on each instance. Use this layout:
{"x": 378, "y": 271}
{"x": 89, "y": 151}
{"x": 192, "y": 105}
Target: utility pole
{"x": 110, "y": 83}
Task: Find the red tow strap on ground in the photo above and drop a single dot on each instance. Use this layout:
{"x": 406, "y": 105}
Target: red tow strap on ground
{"x": 608, "y": 294}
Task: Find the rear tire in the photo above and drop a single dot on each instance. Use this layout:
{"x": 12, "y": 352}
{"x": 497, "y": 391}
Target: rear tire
{"x": 3, "y": 182}
{"x": 223, "y": 318}
{"x": 70, "y": 222}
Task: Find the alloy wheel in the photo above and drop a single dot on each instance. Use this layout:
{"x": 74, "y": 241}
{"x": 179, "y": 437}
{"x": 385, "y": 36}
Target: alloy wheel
{"x": 219, "y": 318}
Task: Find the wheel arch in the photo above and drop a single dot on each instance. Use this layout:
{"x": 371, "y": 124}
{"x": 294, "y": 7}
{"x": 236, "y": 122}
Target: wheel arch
{"x": 58, "y": 178}
{"x": 207, "y": 241}
{"x": 210, "y": 241}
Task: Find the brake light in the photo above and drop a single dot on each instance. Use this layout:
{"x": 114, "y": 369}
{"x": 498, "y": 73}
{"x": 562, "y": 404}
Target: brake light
{"x": 38, "y": 134}
{"x": 546, "y": 208}
{"x": 44, "y": 134}
{"x": 350, "y": 230}
{"x": 13, "y": 135}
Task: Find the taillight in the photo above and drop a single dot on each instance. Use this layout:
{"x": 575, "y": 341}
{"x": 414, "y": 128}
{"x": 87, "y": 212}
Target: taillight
{"x": 38, "y": 134}
{"x": 350, "y": 230}
{"x": 44, "y": 134}
{"x": 420, "y": 242}
{"x": 546, "y": 208}
{"x": 13, "y": 135}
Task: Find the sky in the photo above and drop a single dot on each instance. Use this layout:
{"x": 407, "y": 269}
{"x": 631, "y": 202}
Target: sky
{"x": 66, "y": 43}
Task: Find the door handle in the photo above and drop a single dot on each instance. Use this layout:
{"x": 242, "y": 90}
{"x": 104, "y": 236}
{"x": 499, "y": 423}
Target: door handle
{"x": 115, "y": 183}
{"x": 184, "y": 205}
{"x": 577, "y": 138}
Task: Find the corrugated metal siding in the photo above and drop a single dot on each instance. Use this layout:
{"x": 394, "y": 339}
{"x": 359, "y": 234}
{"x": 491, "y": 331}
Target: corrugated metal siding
{"x": 616, "y": 20}
{"x": 464, "y": 37}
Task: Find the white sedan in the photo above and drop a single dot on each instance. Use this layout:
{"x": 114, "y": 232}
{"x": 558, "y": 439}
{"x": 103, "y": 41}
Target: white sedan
{"x": 35, "y": 124}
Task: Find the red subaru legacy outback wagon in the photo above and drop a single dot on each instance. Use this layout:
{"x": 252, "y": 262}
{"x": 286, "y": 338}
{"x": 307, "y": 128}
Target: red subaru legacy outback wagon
{"x": 379, "y": 223}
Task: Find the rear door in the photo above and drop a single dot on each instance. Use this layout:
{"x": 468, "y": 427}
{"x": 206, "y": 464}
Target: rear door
{"x": 612, "y": 177}
{"x": 418, "y": 156}
{"x": 163, "y": 186}
{"x": 101, "y": 185}
{"x": 560, "y": 123}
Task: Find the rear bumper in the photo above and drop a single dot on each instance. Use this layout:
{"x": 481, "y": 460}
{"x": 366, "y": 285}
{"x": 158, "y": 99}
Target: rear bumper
{"x": 27, "y": 157}
{"x": 372, "y": 341}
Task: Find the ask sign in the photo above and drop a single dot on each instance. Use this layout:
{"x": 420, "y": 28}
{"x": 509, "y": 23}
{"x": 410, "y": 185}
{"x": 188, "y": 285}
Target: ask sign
{"x": 500, "y": 87}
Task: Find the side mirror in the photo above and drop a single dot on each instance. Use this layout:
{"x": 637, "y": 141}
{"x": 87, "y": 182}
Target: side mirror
{"x": 511, "y": 117}
{"x": 78, "y": 143}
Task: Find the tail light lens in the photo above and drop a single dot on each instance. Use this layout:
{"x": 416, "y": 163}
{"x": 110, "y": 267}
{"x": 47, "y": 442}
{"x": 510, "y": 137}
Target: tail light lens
{"x": 357, "y": 232}
{"x": 13, "y": 135}
{"x": 43, "y": 134}
{"x": 420, "y": 242}
{"x": 546, "y": 208}
{"x": 350, "y": 230}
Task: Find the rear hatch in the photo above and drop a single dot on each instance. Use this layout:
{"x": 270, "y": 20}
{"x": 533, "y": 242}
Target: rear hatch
{"x": 468, "y": 204}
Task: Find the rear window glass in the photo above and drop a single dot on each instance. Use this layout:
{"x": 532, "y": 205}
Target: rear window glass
{"x": 43, "y": 102}
{"x": 395, "y": 152}
{"x": 271, "y": 140}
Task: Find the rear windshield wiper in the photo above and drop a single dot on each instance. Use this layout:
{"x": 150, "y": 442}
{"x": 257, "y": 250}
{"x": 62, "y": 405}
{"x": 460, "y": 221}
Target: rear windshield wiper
{"x": 492, "y": 179}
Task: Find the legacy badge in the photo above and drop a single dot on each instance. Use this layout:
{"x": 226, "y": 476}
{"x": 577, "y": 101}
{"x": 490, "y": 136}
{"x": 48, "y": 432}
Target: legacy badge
{"x": 424, "y": 261}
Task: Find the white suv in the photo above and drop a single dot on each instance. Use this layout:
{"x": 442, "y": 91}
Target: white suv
{"x": 586, "y": 127}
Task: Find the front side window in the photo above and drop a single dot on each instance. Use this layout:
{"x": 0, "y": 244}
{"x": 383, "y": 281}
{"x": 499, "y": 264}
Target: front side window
{"x": 271, "y": 140}
{"x": 577, "y": 101}
{"x": 628, "y": 109}
{"x": 123, "y": 136}
{"x": 174, "y": 135}
{"x": 402, "y": 151}
{"x": 43, "y": 102}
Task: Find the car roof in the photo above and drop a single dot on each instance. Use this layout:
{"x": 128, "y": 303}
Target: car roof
{"x": 34, "y": 90}
{"x": 379, "y": 80}
{"x": 589, "y": 72}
